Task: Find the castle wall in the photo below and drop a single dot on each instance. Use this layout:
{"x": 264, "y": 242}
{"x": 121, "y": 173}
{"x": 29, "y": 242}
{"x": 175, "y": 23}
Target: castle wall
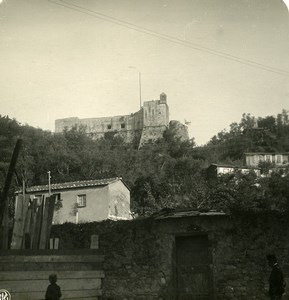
{"x": 156, "y": 120}
{"x": 156, "y": 113}
{"x": 67, "y": 123}
{"x": 180, "y": 130}
{"x": 127, "y": 126}
{"x": 116, "y": 123}
{"x": 151, "y": 133}
{"x": 146, "y": 125}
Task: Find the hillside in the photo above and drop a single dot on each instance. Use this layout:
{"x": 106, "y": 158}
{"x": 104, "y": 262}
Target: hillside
{"x": 169, "y": 173}
{"x": 251, "y": 134}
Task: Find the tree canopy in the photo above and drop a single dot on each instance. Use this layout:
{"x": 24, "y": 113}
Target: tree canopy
{"x": 251, "y": 134}
{"x": 169, "y": 173}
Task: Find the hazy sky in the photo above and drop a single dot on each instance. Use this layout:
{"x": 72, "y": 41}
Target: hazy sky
{"x": 72, "y": 58}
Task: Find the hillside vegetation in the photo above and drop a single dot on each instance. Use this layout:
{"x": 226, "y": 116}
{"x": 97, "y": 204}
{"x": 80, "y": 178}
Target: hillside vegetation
{"x": 167, "y": 174}
{"x": 251, "y": 134}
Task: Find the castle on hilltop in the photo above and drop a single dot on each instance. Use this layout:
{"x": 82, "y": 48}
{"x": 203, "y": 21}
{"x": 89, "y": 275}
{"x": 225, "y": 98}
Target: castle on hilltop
{"x": 144, "y": 126}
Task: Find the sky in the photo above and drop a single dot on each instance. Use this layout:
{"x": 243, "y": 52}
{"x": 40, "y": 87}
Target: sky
{"x": 215, "y": 59}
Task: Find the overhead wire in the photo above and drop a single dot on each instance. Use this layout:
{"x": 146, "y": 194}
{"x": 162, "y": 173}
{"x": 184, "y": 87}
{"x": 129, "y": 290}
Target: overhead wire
{"x": 169, "y": 38}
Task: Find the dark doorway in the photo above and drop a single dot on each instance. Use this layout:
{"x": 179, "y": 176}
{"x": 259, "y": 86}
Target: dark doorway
{"x": 193, "y": 271}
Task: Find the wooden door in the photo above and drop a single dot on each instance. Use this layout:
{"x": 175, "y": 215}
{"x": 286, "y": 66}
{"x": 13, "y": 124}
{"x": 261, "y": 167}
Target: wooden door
{"x": 193, "y": 271}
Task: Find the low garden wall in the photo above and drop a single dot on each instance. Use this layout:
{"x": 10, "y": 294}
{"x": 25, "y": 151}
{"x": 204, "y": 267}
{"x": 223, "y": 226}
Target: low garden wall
{"x": 24, "y": 274}
{"x": 139, "y": 255}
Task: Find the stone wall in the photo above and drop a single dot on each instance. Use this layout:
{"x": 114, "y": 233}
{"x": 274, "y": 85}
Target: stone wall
{"x": 25, "y": 275}
{"x": 180, "y": 130}
{"x": 139, "y": 256}
{"x": 145, "y": 125}
{"x": 156, "y": 113}
{"x": 127, "y": 126}
{"x": 150, "y": 134}
{"x": 67, "y": 123}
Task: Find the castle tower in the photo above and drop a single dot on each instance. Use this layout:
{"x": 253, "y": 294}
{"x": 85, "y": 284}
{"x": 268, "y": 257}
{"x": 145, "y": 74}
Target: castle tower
{"x": 155, "y": 119}
{"x": 163, "y": 98}
{"x": 156, "y": 112}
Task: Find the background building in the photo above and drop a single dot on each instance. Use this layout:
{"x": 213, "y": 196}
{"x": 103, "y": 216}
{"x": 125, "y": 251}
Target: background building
{"x": 253, "y": 159}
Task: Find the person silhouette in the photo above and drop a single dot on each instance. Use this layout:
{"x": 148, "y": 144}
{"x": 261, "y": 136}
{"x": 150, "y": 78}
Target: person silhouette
{"x": 53, "y": 291}
{"x": 276, "y": 279}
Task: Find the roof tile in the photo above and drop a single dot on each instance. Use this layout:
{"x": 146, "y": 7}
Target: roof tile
{"x": 71, "y": 185}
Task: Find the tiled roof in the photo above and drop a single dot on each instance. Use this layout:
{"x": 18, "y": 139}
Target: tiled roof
{"x": 72, "y": 185}
{"x": 171, "y": 213}
{"x": 234, "y": 167}
{"x": 266, "y": 153}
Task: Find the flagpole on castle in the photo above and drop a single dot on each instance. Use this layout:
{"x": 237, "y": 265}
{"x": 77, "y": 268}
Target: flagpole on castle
{"x": 139, "y": 79}
{"x": 139, "y": 83}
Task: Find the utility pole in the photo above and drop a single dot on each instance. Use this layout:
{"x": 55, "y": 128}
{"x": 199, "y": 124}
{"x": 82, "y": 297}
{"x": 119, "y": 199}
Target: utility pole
{"x": 49, "y": 183}
{"x": 4, "y": 194}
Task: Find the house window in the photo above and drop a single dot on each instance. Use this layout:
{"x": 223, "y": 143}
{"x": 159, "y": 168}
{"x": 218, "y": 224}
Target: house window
{"x": 260, "y": 158}
{"x": 81, "y": 200}
{"x": 278, "y": 159}
{"x": 109, "y": 126}
{"x": 255, "y": 159}
{"x": 122, "y": 125}
{"x": 268, "y": 158}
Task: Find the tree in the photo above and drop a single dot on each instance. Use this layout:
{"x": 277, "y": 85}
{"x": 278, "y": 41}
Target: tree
{"x": 168, "y": 173}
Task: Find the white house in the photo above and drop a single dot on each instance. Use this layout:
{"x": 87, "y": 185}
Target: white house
{"x": 87, "y": 201}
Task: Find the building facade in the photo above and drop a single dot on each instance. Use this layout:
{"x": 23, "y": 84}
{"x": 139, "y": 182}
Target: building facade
{"x": 215, "y": 170}
{"x": 253, "y": 159}
{"x": 144, "y": 126}
{"x": 278, "y": 162}
{"x": 87, "y": 201}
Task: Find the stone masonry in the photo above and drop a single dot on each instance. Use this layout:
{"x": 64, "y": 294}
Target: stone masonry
{"x": 144, "y": 126}
{"x": 140, "y": 261}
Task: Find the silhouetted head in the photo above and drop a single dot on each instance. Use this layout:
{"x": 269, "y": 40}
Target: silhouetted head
{"x": 52, "y": 278}
{"x": 272, "y": 259}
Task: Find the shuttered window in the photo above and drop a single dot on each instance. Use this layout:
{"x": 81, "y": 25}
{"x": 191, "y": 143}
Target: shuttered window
{"x": 81, "y": 200}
